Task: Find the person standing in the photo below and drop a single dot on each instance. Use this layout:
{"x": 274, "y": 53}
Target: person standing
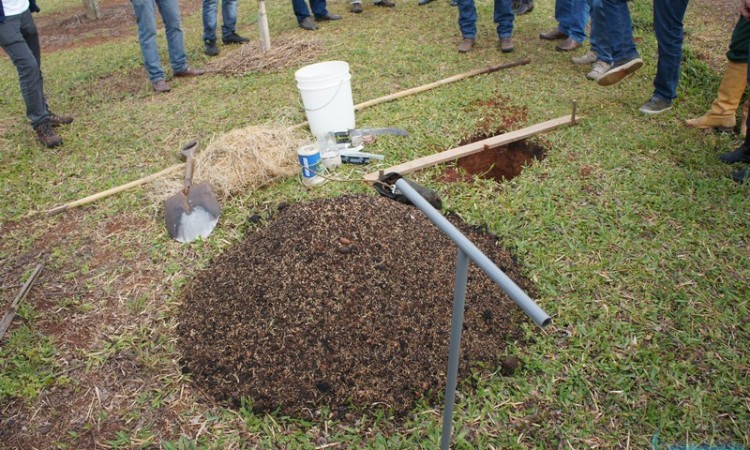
{"x": 20, "y": 40}
{"x": 228, "y": 28}
{"x": 722, "y": 115}
{"x": 668, "y": 26}
{"x": 319, "y": 10}
{"x": 572, "y": 17}
{"x": 145, "y": 14}
{"x": 619, "y": 38}
{"x": 356, "y": 5}
{"x": 467, "y": 23}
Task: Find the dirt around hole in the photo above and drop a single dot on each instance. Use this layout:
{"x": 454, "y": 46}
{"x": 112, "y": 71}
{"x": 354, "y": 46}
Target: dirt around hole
{"x": 345, "y": 304}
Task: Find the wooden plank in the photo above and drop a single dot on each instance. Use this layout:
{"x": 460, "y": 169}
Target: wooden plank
{"x": 474, "y": 147}
{"x": 10, "y": 313}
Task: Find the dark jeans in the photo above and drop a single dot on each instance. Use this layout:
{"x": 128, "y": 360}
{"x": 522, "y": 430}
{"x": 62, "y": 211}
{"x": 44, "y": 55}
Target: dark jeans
{"x": 228, "y": 17}
{"x": 572, "y": 17}
{"x": 301, "y": 10}
{"x": 618, "y": 30}
{"x": 668, "y": 15}
{"x": 20, "y": 41}
{"x": 503, "y": 16}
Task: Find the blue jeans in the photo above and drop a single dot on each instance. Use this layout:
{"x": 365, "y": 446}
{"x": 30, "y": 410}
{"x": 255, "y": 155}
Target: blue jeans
{"x": 19, "y": 39}
{"x": 503, "y": 17}
{"x": 228, "y": 18}
{"x": 572, "y": 17}
{"x": 301, "y": 10}
{"x": 598, "y": 38}
{"x": 145, "y": 14}
{"x": 668, "y": 15}
{"x": 618, "y": 30}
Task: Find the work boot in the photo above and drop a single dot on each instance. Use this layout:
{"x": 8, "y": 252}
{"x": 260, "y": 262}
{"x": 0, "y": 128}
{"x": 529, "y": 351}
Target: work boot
{"x": 327, "y": 17}
{"x": 741, "y": 176}
{"x": 234, "y": 38}
{"x": 190, "y": 72}
{"x": 308, "y": 24}
{"x": 466, "y": 45}
{"x": 356, "y": 8}
{"x": 47, "y": 135}
{"x": 385, "y": 3}
{"x": 721, "y": 116}
{"x": 741, "y": 155}
{"x": 506, "y": 45}
{"x": 210, "y": 48}
{"x": 521, "y": 7}
{"x": 553, "y": 35}
{"x": 161, "y": 86}
{"x": 567, "y": 45}
{"x": 56, "y": 120}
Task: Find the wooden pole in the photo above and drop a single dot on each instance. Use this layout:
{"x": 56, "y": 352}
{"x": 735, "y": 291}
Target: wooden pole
{"x": 265, "y": 36}
{"x": 10, "y": 313}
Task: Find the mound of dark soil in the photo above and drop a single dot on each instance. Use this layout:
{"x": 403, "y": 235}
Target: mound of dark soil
{"x": 343, "y": 302}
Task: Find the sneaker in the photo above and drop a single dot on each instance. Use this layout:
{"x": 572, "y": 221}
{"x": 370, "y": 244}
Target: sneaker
{"x": 56, "y": 120}
{"x": 506, "y": 45}
{"x": 47, "y": 135}
{"x": 741, "y": 176}
{"x": 655, "y": 105}
{"x": 308, "y": 24}
{"x": 210, "y": 48}
{"x": 589, "y": 58}
{"x": 619, "y": 71}
{"x": 741, "y": 155}
{"x": 598, "y": 69}
{"x": 234, "y": 38}
{"x": 466, "y": 45}
{"x": 356, "y": 8}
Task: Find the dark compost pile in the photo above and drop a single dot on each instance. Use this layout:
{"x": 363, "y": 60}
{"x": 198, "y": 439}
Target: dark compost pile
{"x": 345, "y": 303}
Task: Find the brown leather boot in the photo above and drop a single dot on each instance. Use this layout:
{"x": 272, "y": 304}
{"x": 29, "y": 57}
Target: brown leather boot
{"x": 466, "y": 45}
{"x": 47, "y": 135}
{"x": 721, "y": 116}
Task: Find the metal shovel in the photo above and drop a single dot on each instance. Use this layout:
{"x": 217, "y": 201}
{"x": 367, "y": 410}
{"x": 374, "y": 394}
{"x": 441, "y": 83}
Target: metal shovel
{"x": 194, "y": 211}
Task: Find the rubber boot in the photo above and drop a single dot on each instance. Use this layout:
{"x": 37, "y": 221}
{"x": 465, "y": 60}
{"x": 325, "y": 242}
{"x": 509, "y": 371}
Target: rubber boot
{"x": 722, "y": 114}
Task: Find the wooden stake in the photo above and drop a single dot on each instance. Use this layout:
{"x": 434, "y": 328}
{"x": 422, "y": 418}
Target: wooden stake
{"x": 265, "y": 36}
{"x": 474, "y": 147}
{"x": 10, "y": 313}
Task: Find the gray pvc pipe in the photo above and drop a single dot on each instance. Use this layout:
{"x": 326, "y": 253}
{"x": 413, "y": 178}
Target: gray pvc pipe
{"x": 480, "y": 259}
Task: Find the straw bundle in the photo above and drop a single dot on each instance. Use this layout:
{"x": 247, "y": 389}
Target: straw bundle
{"x": 249, "y": 58}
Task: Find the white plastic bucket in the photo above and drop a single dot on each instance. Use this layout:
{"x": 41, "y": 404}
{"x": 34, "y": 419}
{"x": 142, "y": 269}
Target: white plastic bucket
{"x": 326, "y": 93}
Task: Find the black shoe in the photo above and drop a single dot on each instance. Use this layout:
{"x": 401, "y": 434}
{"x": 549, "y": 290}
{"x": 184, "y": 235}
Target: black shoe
{"x": 523, "y": 7}
{"x": 234, "y": 38}
{"x": 357, "y": 8}
{"x": 741, "y": 176}
{"x": 327, "y": 17}
{"x": 56, "y": 120}
{"x": 308, "y": 24}
{"x": 742, "y": 154}
{"x": 47, "y": 135}
{"x": 210, "y": 48}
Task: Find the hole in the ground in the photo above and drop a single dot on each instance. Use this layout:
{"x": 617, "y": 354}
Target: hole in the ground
{"x": 500, "y": 163}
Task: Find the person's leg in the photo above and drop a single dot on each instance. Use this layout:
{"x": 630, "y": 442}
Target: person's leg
{"x": 170, "y": 14}
{"x": 145, "y": 15}
{"x": 209, "y": 19}
{"x": 572, "y": 16}
{"x": 228, "y": 18}
{"x": 467, "y": 19}
{"x": 503, "y": 17}
{"x": 300, "y": 9}
{"x": 319, "y": 8}
{"x": 563, "y": 11}
{"x": 619, "y": 29}
{"x": 18, "y": 37}
{"x": 599, "y": 38}
{"x": 668, "y": 27}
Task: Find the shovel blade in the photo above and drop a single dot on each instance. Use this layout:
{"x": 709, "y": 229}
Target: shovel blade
{"x": 192, "y": 216}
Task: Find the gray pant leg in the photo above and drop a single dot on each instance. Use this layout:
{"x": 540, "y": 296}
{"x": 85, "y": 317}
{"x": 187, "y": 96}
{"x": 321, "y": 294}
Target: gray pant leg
{"x": 19, "y": 39}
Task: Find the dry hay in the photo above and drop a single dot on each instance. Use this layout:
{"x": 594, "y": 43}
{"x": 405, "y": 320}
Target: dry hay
{"x": 240, "y": 161}
{"x": 283, "y": 53}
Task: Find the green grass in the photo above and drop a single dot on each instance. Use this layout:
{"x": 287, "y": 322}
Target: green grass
{"x": 630, "y": 228}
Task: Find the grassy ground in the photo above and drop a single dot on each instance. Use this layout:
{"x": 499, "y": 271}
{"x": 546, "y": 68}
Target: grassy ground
{"x": 630, "y": 227}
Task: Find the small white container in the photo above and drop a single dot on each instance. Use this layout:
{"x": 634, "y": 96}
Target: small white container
{"x": 309, "y": 159}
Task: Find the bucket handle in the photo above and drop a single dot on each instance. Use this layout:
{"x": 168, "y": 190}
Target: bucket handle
{"x": 327, "y": 103}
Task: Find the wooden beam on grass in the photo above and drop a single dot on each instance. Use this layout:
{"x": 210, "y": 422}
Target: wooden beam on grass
{"x": 468, "y": 149}
{"x": 10, "y": 313}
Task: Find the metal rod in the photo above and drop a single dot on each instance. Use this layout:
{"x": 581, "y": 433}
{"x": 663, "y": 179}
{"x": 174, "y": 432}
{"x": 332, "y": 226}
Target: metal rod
{"x": 516, "y": 294}
{"x": 457, "y": 321}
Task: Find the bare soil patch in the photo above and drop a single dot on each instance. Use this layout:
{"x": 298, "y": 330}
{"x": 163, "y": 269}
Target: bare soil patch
{"x": 342, "y": 303}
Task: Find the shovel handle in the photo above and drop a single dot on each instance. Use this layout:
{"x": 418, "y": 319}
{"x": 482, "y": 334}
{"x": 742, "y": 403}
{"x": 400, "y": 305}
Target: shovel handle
{"x": 188, "y": 152}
